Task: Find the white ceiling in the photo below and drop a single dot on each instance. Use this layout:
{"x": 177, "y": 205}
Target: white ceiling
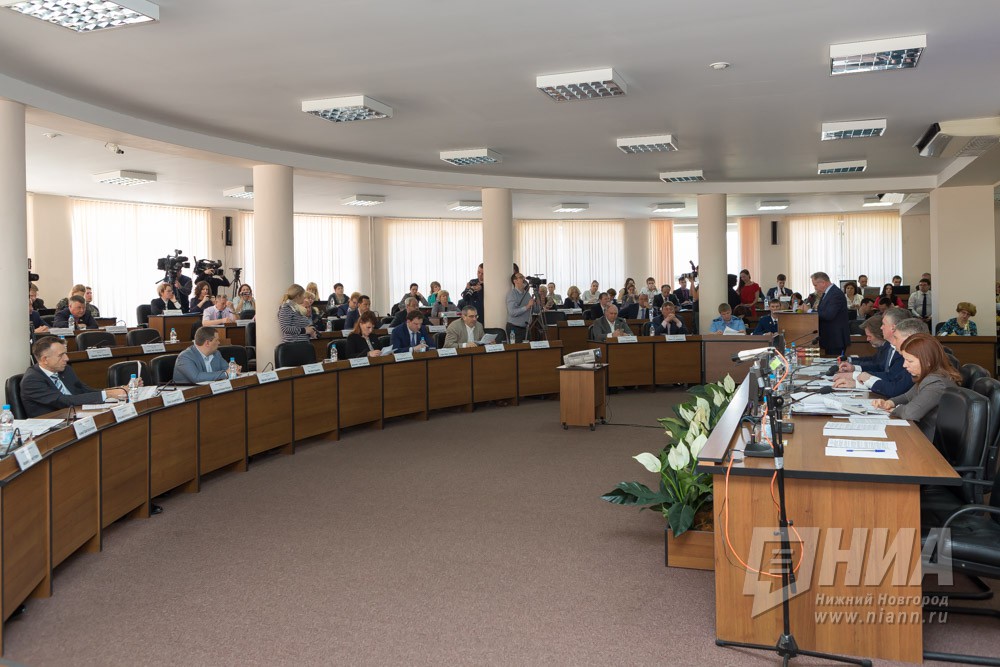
{"x": 227, "y": 77}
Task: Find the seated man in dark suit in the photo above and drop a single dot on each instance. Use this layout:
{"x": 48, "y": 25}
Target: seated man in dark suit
{"x": 410, "y": 304}
{"x": 413, "y": 337}
{"x": 51, "y": 383}
{"x": 364, "y": 305}
{"x": 895, "y": 380}
{"x": 664, "y": 296}
{"x": 201, "y": 362}
{"x": 637, "y": 311}
{"x": 767, "y": 324}
{"x": 38, "y": 325}
{"x": 872, "y": 329}
{"x": 668, "y": 323}
{"x": 864, "y": 312}
{"x": 597, "y": 310}
{"x": 78, "y": 309}
{"x": 610, "y": 325}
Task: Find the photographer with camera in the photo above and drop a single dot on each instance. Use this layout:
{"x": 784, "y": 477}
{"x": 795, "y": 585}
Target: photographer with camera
{"x": 210, "y": 270}
{"x": 520, "y": 307}
{"x": 472, "y": 295}
{"x": 173, "y": 274}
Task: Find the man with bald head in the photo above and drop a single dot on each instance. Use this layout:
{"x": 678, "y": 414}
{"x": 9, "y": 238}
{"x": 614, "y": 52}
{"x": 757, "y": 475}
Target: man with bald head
{"x": 610, "y": 325}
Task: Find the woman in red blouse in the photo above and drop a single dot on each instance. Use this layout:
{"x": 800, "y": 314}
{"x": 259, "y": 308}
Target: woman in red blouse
{"x": 749, "y": 290}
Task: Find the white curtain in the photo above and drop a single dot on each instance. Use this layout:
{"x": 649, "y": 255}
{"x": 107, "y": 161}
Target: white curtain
{"x": 326, "y": 252}
{"x": 573, "y": 252}
{"x": 749, "y": 234}
{"x": 844, "y": 246}
{"x": 422, "y": 250}
{"x": 662, "y": 243}
{"x": 241, "y": 252}
{"x": 686, "y": 248}
{"x": 116, "y": 246}
{"x": 873, "y": 245}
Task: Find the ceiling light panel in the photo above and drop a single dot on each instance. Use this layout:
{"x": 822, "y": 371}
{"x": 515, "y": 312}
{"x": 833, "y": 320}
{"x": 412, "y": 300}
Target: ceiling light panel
{"x": 570, "y": 208}
{"x": 653, "y": 144}
{"x": 586, "y": 85}
{"x": 669, "y": 207}
{"x": 125, "y": 177}
{"x": 363, "y": 200}
{"x": 773, "y": 205}
{"x": 682, "y": 176}
{"x": 893, "y": 197}
{"x": 465, "y": 205}
{"x": 471, "y": 156}
{"x": 871, "y": 202}
{"x": 346, "y": 109}
{"x": 876, "y": 55}
{"x": 239, "y": 192}
{"x": 853, "y": 129}
{"x": 848, "y": 167}
{"x": 87, "y": 16}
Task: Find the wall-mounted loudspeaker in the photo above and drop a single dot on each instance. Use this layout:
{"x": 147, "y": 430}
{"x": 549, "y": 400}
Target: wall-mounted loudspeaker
{"x": 229, "y": 230}
{"x": 774, "y": 232}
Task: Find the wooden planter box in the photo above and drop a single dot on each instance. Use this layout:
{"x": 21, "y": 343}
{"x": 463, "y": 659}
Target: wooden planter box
{"x": 694, "y": 549}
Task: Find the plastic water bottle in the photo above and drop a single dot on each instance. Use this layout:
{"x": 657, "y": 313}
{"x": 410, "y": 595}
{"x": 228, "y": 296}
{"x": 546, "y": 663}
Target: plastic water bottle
{"x": 71, "y": 322}
{"x": 334, "y": 356}
{"x": 173, "y": 335}
{"x": 133, "y": 389}
{"x": 6, "y": 426}
{"x": 793, "y": 358}
{"x": 234, "y": 370}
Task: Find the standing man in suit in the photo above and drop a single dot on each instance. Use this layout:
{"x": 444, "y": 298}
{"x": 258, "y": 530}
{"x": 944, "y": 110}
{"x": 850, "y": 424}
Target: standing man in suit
{"x": 182, "y": 288}
{"x": 920, "y": 301}
{"x": 201, "y": 362}
{"x": 834, "y": 320}
{"x": 78, "y": 309}
{"x": 51, "y": 383}
{"x": 413, "y": 337}
{"x": 468, "y": 329}
{"x": 610, "y": 324}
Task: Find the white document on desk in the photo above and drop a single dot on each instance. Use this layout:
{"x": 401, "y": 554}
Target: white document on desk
{"x": 842, "y": 429}
{"x": 877, "y": 419}
{"x": 861, "y": 449}
{"x": 37, "y": 426}
{"x": 732, "y": 332}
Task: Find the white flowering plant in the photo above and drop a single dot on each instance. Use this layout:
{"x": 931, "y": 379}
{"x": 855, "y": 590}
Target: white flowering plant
{"x": 682, "y": 492}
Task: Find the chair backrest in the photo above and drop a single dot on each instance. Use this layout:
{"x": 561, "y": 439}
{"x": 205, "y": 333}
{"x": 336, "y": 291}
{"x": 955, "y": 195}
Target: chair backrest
{"x": 938, "y": 327}
{"x": 162, "y": 368}
{"x": 13, "y": 390}
{"x": 386, "y": 320}
{"x": 439, "y": 339}
{"x": 297, "y": 353}
{"x": 337, "y": 324}
{"x": 246, "y": 314}
{"x": 142, "y": 313}
{"x": 341, "y": 345}
{"x": 251, "y": 334}
{"x": 119, "y": 374}
{"x": 501, "y": 334}
{"x": 48, "y": 319}
{"x": 89, "y": 339}
{"x": 971, "y": 373}
{"x": 384, "y": 341}
{"x": 990, "y": 388}
{"x": 647, "y": 329}
{"x": 962, "y": 423}
{"x": 395, "y": 308}
{"x": 142, "y": 336}
{"x": 554, "y": 316}
{"x": 237, "y": 352}
{"x": 197, "y": 325}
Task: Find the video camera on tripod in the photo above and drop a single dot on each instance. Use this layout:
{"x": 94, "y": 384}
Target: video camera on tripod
{"x": 170, "y": 265}
{"x": 535, "y": 281}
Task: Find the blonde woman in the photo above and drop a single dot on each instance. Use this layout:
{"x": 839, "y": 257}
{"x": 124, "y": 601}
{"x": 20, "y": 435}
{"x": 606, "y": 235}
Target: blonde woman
{"x": 572, "y": 299}
{"x": 293, "y": 318}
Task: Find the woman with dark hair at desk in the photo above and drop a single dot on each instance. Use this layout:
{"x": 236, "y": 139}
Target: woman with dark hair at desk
{"x": 166, "y": 301}
{"x": 201, "y": 299}
{"x": 244, "y": 301}
{"x": 887, "y": 292}
{"x": 925, "y": 360}
{"x": 359, "y": 342}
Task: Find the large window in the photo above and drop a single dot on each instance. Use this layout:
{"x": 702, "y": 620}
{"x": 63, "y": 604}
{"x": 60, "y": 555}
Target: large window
{"x": 844, "y": 245}
{"x": 422, "y": 250}
{"x": 573, "y": 252}
{"x": 685, "y": 249}
{"x": 116, "y": 245}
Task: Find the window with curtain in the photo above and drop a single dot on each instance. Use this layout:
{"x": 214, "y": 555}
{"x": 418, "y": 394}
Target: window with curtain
{"x": 662, "y": 240}
{"x": 749, "y": 235}
{"x": 116, "y": 245}
{"x": 844, "y": 246}
{"x": 685, "y": 250}
{"x": 573, "y": 252}
{"x": 422, "y": 250}
{"x": 241, "y": 252}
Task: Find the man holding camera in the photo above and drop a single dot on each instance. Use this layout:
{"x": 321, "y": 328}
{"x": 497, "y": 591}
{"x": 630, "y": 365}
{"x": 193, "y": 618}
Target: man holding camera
{"x": 212, "y": 273}
{"x": 520, "y": 307}
{"x": 473, "y": 293}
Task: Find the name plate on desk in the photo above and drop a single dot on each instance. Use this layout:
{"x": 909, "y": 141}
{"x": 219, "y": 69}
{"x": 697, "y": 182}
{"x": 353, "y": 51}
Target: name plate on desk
{"x": 447, "y": 352}
{"x": 437, "y": 328}
{"x": 124, "y": 412}
{"x": 360, "y": 362}
{"x": 576, "y": 323}
{"x": 116, "y": 330}
{"x": 628, "y": 339}
{"x": 243, "y": 323}
{"x": 84, "y": 427}
{"x": 172, "y": 397}
{"x": 494, "y": 347}
{"x": 99, "y": 353}
{"x": 675, "y": 338}
{"x": 27, "y": 455}
{"x": 312, "y": 369}
{"x": 539, "y": 344}
{"x": 267, "y": 376}
{"x": 153, "y": 348}
{"x": 403, "y": 356}
{"x": 574, "y": 311}
{"x": 61, "y": 331}
{"x": 220, "y": 386}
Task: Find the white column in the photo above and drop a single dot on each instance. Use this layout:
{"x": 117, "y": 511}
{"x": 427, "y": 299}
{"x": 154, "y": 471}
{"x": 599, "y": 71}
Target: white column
{"x": 273, "y": 251}
{"x": 50, "y": 217}
{"x": 14, "y": 249}
{"x": 638, "y": 263}
{"x": 711, "y": 258}
{"x": 381, "y": 299}
{"x": 916, "y": 247}
{"x": 498, "y": 254}
{"x": 962, "y": 254}
{"x": 368, "y": 257}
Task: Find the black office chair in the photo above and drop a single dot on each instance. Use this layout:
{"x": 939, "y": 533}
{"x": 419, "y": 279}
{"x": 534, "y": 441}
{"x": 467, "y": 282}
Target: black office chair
{"x": 119, "y": 374}
{"x": 970, "y": 373}
{"x": 439, "y": 339}
{"x": 501, "y": 334}
{"x": 337, "y": 324}
{"x": 197, "y": 325}
{"x": 298, "y": 353}
{"x": 48, "y": 319}
{"x": 251, "y": 336}
{"x": 142, "y": 337}
{"x": 962, "y": 425}
{"x": 88, "y": 339}
{"x": 385, "y": 321}
{"x": 553, "y": 316}
{"x": 395, "y": 309}
{"x": 142, "y": 314}
{"x": 237, "y": 352}
{"x": 647, "y": 329}
{"x": 246, "y": 314}
{"x": 251, "y": 357}
{"x": 13, "y": 390}
{"x": 990, "y": 388}
{"x": 341, "y": 345}
{"x": 384, "y": 341}
{"x": 162, "y": 368}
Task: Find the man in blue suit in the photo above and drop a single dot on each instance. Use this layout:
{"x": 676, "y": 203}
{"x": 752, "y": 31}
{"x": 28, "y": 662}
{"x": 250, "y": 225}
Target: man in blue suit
{"x": 413, "y": 337}
{"x": 893, "y": 379}
{"x": 201, "y": 362}
{"x": 834, "y": 322}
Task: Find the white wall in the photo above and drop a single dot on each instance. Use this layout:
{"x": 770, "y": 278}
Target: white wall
{"x": 916, "y": 246}
{"x": 50, "y": 242}
{"x": 773, "y": 258}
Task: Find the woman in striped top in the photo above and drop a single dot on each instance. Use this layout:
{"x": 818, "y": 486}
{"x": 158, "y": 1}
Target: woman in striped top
{"x": 293, "y": 318}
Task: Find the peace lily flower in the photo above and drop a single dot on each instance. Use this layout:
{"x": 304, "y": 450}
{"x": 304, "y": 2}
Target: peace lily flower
{"x": 729, "y": 384}
{"x": 697, "y": 444}
{"x": 678, "y": 458}
{"x": 649, "y": 461}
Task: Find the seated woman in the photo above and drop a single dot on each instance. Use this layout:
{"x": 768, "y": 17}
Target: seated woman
{"x": 201, "y": 298}
{"x": 337, "y": 299}
{"x": 293, "y": 317}
{"x": 314, "y": 313}
{"x": 244, "y": 301}
{"x": 433, "y": 296}
{"x": 572, "y": 299}
{"x": 166, "y": 301}
{"x": 592, "y": 295}
{"x": 442, "y": 303}
{"x": 925, "y": 360}
{"x": 630, "y": 296}
{"x": 961, "y": 325}
{"x": 360, "y": 342}
{"x": 624, "y": 291}
{"x": 887, "y": 292}
{"x": 853, "y": 298}
{"x": 796, "y": 304}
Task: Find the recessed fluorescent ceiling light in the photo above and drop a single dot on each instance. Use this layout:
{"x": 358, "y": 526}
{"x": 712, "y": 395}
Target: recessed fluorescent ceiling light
{"x": 465, "y": 205}
{"x": 853, "y": 129}
{"x": 570, "y": 208}
{"x": 848, "y": 167}
{"x": 875, "y": 201}
{"x": 125, "y": 178}
{"x": 87, "y": 16}
{"x": 586, "y": 85}
{"x": 471, "y": 156}
{"x": 345, "y": 109}
{"x": 239, "y": 192}
{"x": 363, "y": 200}
{"x": 773, "y": 205}
{"x": 682, "y": 176}
{"x": 669, "y": 207}
{"x": 652, "y": 144}
{"x": 892, "y": 197}
{"x": 875, "y": 55}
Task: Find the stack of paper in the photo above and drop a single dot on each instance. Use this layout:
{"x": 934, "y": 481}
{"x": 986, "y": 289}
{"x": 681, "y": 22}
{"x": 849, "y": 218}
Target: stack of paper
{"x": 842, "y": 429}
{"x": 861, "y": 449}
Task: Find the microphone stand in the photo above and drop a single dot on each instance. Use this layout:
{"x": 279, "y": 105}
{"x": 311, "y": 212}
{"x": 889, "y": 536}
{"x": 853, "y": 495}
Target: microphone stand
{"x": 786, "y": 646}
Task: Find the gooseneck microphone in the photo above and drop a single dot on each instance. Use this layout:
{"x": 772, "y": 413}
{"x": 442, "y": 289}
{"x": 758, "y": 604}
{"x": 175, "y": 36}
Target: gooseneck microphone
{"x": 796, "y": 340}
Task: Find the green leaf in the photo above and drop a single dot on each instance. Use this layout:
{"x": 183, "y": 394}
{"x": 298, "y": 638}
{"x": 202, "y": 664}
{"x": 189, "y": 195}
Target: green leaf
{"x": 634, "y": 493}
{"x": 680, "y": 517}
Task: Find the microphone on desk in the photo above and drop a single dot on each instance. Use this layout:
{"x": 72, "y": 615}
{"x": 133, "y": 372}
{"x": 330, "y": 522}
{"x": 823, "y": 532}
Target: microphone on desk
{"x": 747, "y": 355}
{"x": 271, "y": 364}
{"x": 15, "y": 442}
{"x": 803, "y": 336}
{"x": 821, "y": 391}
{"x": 70, "y": 415}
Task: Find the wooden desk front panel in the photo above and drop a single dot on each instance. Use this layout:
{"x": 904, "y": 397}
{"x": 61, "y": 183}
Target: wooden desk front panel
{"x": 797, "y": 325}
{"x": 573, "y": 338}
{"x": 25, "y": 535}
{"x": 536, "y": 372}
{"x": 360, "y": 393}
{"x": 269, "y": 416}
{"x": 124, "y": 469}
{"x": 222, "y": 431}
{"x": 180, "y": 323}
{"x": 236, "y": 334}
{"x": 677, "y": 363}
{"x": 316, "y": 399}
{"x": 173, "y": 448}
{"x": 719, "y": 350}
{"x": 449, "y": 382}
{"x": 404, "y": 388}
{"x": 76, "y": 508}
{"x": 494, "y": 376}
{"x": 974, "y": 350}
{"x": 629, "y": 364}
